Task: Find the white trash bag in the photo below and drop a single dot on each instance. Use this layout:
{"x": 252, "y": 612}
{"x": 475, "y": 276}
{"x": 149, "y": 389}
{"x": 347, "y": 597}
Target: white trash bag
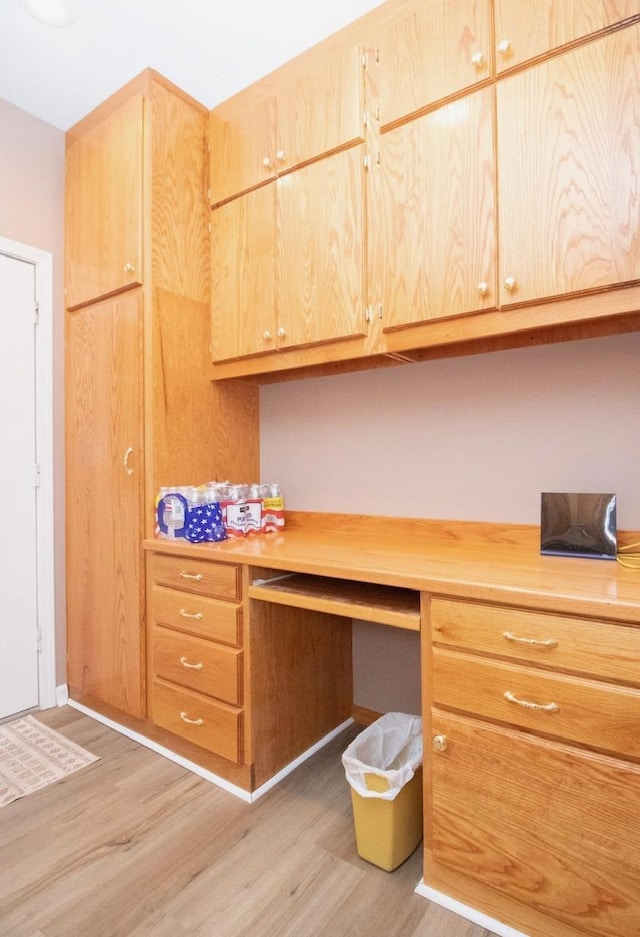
{"x": 390, "y": 748}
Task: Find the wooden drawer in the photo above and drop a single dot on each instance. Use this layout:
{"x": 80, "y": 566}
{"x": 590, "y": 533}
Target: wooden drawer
{"x": 583, "y": 645}
{"x": 201, "y": 665}
{"x": 219, "y": 580}
{"x": 212, "y": 725}
{"x": 196, "y": 614}
{"x": 597, "y": 714}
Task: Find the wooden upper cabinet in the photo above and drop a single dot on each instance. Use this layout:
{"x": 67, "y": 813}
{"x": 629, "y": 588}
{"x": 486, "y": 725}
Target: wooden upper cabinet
{"x": 242, "y": 150}
{"x": 432, "y": 237}
{"x": 272, "y": 128}
{"x": 435, "y": 49}
{"x": 288, "y": 261}
{"x": 243, "y": 312}
{"x": 104, "y": 205}
{"x": 526, "y": 30}
{"x": 320, "y": 254}
{"x": 321, "y": 110}
{"x": 569, "y": 171}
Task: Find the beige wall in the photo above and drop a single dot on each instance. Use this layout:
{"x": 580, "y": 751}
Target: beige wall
{"x": 31, "y": 212}
{"x": 475, "y": 438}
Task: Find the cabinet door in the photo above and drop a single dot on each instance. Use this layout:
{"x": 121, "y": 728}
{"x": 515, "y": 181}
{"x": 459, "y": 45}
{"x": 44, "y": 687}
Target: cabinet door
{"x": 104, "y": 205}
{"x": 542, "y": 823}
{"x": 434, "y": 49}
{"x": 320, "y": 110}
{"x": 104, "y": 474}
{"x": 320, "y": 259}
{"x": 569, "y": 171}
{"x": 243, "y": 275}
{"x": 241, "y": 137}
{"x": 432, "y": 216}
{"x": 526, "y": 30}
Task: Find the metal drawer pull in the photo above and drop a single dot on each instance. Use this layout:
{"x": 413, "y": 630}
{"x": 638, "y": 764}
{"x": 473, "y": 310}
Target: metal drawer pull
{"x": 186, "y": 614}
{"x": 196, "y": 576}
{"x": 192, "y": 722}
{"x": 548, "y": 707}
{"x": 185, "y": 663}
{"x": 534, "y": 642}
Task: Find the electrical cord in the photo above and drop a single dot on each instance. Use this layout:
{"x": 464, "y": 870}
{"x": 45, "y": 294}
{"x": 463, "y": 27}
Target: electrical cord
{"x": 629, "y": 556}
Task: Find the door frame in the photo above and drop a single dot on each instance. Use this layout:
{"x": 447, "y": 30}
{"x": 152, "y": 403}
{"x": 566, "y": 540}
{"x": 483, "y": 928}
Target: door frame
{"x": 43, "y": 360}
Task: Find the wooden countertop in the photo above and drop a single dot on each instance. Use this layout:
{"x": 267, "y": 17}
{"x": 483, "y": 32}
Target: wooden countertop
{"x": 490, "y": 562}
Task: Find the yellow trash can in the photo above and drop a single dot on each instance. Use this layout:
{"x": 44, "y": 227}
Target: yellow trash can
{"x": 388, "y": 831}
{"x": 383, "y": 765}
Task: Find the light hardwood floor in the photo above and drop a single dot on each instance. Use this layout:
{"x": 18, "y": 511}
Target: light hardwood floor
{"x": 136, "y": 846}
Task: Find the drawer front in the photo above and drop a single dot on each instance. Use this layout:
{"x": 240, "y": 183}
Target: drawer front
{"x": 201, "y": 665}
{"x": 203, "y": 721}
{"x": 196, "y": 614}
{"x": 219, "y": 580}
{"x": 600, "y": 648}
{"x": 583, "y": 711}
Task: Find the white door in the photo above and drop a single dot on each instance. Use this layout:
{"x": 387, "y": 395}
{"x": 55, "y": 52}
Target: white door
{"x": 19, "y": 665}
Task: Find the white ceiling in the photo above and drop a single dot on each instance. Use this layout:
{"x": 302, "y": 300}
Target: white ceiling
{"x": 208, "y": 48}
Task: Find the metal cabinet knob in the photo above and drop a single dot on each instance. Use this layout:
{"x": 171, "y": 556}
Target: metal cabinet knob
{"x": 482, "y": 288}
{"x": 282, "y": 332}
{"x": 266, "y": 162}
{"x": 504, "y": 47}
{"x": 129, "y": 268}
{"x": 439, "y": 743}
{"x": 280, "y": 156}
{"x": 266, "y": 335}
{"x": 478, "y": 59}
{"x": 510, "y": 284}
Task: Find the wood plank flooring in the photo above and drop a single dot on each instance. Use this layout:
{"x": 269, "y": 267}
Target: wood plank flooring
{"x": 136, "y": 846}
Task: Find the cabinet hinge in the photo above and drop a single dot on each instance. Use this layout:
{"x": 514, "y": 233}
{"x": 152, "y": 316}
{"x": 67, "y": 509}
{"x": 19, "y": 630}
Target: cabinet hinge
{"x": 37, "y": 475}
{"x": 365, "y": 119}
{"x": 377, "y": 55}
{"x": 36, "y": 312}
{"x": 365, "y": 60}
{"x": 367, "y": 161}
{"x": 368, "y": 313}
{"x": 38, "y": 638}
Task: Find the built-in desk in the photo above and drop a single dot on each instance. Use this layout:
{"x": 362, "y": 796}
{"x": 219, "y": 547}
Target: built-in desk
{"x": 530, "y": 683}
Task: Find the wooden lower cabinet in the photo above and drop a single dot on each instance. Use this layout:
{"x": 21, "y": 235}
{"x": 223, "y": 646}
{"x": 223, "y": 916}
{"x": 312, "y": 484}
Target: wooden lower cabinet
{"x": 547, "y": 827}
{"x": 195, "y": 654}
{"x": 104, "y": 472}
{"x": 252, "y": 684}
{"x": 533, "y": 766}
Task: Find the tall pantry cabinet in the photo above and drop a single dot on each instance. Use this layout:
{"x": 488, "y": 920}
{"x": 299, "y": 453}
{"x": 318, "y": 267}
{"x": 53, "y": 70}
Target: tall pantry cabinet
{"x": 141, "y": 411}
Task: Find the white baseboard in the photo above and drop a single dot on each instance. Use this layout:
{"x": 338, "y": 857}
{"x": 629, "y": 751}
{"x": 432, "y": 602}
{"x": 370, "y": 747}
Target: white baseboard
{"x": 465, "y": 911}
{"x": 62, "y": 695}
{"x": 247, "y": 796}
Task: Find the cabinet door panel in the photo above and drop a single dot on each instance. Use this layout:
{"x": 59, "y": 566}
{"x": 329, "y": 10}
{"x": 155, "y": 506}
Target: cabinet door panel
{"x": 531, "y": 29}
{"x": 242, "y": 152}
{"x": 569, "y": 171}
{"x": 542, "y": 823}
{"x": 321, "y": 110}
{"x": 432, "y": 212}
{"x": 320, "y": 250}
{"x": 243, "y": 275}
{"x": 104, "y": 497}
{"x": 428, "y": 54}
{"x": 104, "y": 206}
